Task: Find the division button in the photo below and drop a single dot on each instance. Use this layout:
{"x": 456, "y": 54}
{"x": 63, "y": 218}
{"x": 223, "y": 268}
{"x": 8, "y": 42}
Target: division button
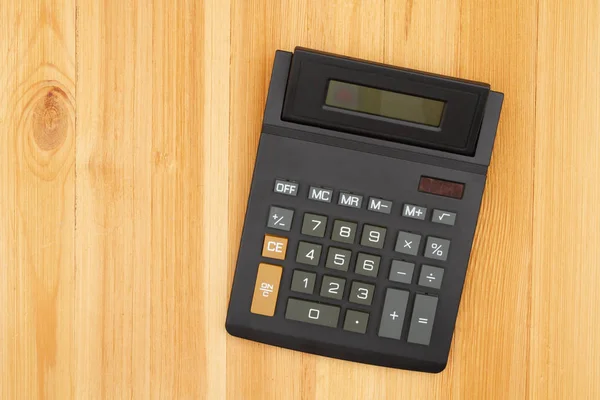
{"x": 313, "y": 313}
{"x": 274, "y": 247}
{"x": 356, "y": 321}
{"x": 394, "y": 309}
{"x": 401, "y": 271}
{"x": 266, "y": 289}
{"x": 431, "y": 276}
{"x": 443, "y": 217}
{"x": 421, "y": 322}
{"x": 280, "y": 218}
{"x": 415, "y": 212}
{"x": 350, "y": 200}
{"x": 285, "y": 187}
{"x": 320, "y": 194}
{"x": 380, "y": 205}
{"x": 408, "y": 243}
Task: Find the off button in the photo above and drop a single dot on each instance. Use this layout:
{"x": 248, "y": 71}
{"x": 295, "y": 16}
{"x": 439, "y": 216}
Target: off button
{"x": 266, "y": 289}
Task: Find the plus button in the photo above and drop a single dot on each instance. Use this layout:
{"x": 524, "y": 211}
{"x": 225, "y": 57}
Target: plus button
{"x": 394, "y": 315}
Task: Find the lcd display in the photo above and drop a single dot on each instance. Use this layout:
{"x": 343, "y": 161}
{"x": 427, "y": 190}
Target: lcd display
{"x": 384, "y": 103}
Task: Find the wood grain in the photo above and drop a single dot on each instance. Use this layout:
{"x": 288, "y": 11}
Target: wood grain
{"x": 128, "y": 133}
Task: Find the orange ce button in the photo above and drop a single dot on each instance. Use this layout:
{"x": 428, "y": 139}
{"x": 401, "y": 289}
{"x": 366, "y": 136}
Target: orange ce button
{"x": 275, "y": 247}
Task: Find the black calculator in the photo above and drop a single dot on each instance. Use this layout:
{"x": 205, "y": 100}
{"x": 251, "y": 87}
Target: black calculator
{"x": 364, "y": 201}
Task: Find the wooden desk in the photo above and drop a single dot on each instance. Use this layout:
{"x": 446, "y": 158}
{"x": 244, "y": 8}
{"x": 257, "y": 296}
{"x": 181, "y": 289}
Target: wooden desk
{"x": 128, "y": 134}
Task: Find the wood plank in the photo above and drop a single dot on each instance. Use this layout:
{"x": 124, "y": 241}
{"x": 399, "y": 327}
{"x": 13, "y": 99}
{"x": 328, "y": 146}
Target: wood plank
{"x": 152, "y": 152}
{"x": 37, "y": 198}
{"x": 565, "y": 339}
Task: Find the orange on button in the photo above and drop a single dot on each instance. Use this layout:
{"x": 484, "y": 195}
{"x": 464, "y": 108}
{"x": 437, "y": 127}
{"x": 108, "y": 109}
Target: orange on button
{"x": 275, "y": 247}
{"x": 266, "y": 289}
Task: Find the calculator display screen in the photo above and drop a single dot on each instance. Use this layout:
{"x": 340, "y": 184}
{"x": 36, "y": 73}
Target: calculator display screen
{"x": 384, "y": 103}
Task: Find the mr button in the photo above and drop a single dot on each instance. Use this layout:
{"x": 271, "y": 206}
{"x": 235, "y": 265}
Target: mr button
{"x": 274, "y": 247}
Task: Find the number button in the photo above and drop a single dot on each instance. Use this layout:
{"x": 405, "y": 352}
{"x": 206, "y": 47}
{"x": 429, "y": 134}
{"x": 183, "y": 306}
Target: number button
{"x": 308, "y": 253}
{"x": 303, "y": 282}
{"x": 338, "y": 259}
{"x": 373, "y": 236}
{"x": 367, "y": 264}
{"x": 361, "y": 293}
{"x": 314, "y": 225}
{"x": 333, "y": 287}
{"x": 343, "y": 231}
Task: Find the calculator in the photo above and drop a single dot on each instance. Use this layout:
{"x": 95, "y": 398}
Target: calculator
{"x": 363, "y": 206}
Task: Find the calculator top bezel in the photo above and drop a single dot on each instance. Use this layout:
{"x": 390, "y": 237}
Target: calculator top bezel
{"x": 273, "y": 122}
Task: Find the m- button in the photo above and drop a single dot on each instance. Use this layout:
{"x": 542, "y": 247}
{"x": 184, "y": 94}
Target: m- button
{"x": 274, "y": 247}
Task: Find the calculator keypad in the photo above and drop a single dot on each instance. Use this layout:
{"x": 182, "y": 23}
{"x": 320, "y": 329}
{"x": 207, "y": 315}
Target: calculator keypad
{"x": 340, "y": 279}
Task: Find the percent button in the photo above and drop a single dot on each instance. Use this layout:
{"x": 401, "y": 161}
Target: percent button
{"x": 437, "y": 248}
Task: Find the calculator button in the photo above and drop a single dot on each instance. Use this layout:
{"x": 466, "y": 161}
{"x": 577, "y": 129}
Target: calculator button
{"x": 373, "y": 236}
{"x": 437, "y": 248}
{"x": 392, "y": 317}
{"x": 431, "y": 276}
{"x": 338, "y": 259}
{"x": 443, "y": 217}
{"x": 421, "y": 322}
{"x": 412, "y": 211}
{"x": 266, "y": 289}
{"x": 356, "y": 321}
{"x": 313, "y": 313}
{"x": 280, "y": 218}
{"x": 350, "y": 200}
{"x": 274, "y": 247}
{"x": 343, "y": 231}
{"x": 361, "y": 293}
{"x": 333, "y": 287}
{"x": 308, "y": 253}
{"x": 408, "y": 243}
{"x": 303, "y": 282}
{"x": 314, "y": 225}
{"x": 320, "y": 194}
{"x": 380, "y": 205}
{"x": 367, "y": 264}
{"x": 285, "y": 187}
{"x": 401, "y": 271}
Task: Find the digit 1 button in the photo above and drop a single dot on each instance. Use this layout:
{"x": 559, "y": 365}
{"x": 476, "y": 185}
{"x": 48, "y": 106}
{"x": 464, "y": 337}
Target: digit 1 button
{"x": 274, "y": 247}
{"x": 266, "y": 289}
{"x": 303, "y": 282}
